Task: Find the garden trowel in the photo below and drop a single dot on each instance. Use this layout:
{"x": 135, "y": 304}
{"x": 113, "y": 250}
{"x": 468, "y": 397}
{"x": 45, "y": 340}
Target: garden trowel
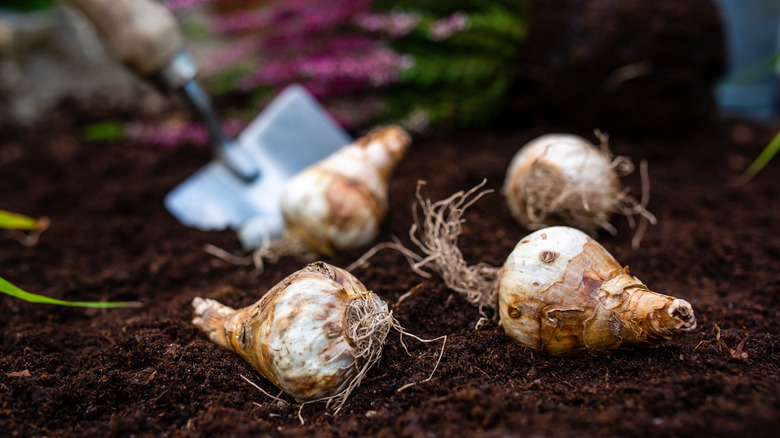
{"x": 242, "y": 187}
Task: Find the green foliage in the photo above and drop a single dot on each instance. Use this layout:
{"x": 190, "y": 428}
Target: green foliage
{"x": 103, "y": 131}
{"x": 759, "y": 70}
{"x": 10, "y": 289}
{"x": 751, "y": 74}
{"x": 18, "y": 225}
{"x": 463, "y": 78}
{"x": 15, "y": 221}
{"x": 225, "y": 82}
{"x": 27, "y": 5}
{"x": 421, "y": 63}
{"x": 445, "y": 7}
{"x": 766, "y": 155}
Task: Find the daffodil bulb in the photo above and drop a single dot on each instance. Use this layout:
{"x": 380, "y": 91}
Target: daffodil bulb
{"x": 340, "y": 202}
{"x": 558, "y": 291}
{"x": 314, "y": 335}
{"x": 562, "y": 179}
{"x": 561, "y": 292}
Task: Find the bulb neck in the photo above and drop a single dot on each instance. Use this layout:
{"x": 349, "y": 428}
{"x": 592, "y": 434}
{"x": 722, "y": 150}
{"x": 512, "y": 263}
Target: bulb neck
{"x": 656, "y": 317}
{"x": 678, "y": 317}
{"x": 385, "y": 147}
{"x": 646, "y": 316}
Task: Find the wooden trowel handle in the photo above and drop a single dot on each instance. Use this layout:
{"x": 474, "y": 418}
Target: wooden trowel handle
{"x": 141, "y": 33}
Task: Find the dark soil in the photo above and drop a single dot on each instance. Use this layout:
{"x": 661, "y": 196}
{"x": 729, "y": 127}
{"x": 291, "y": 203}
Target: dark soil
{"x": 628, "y": 66}
{"x": 148, "y": 371}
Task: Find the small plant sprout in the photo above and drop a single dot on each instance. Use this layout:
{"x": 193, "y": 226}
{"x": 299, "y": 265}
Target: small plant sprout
{"x": 762, "y": 160}
{"x": 559, "y": 291}
{"x": 10, "y": 289}
{"x": 23, "y": 229}
{"x": 562, "y": 179}
{"x": 314, "y": 335}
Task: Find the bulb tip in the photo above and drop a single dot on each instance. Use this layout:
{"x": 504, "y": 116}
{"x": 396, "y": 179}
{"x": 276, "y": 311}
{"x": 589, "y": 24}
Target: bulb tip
{"x": 681, "y": 312}
{"x": 397, "y": 139}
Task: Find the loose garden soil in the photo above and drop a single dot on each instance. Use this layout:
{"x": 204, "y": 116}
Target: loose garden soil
{"x": 148, "y": 371}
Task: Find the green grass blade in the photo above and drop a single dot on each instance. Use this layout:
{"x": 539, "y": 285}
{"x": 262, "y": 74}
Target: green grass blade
{"x": 763, "y": 158}
{"x": 10, "y": 289}
{"x": 103, "y": 131}
{"x": 752, "y": 73}
{"x": 14, "y": 221}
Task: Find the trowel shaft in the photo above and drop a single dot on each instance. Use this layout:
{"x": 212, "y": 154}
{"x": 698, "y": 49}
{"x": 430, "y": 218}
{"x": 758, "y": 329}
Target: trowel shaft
{"x": 145, "y": 37}
{"x": 225, "y": 149}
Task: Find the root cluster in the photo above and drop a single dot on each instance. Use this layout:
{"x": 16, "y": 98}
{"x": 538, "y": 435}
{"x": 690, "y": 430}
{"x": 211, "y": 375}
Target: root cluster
{"x": 550, "y": 199}
{"x": 435, "y": 233}
{"x": 289, "y": 245}
{"x": 367, "y": 324}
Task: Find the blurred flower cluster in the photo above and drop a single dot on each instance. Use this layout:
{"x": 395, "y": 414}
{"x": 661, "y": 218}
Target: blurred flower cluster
{"x": 421, "y": 63}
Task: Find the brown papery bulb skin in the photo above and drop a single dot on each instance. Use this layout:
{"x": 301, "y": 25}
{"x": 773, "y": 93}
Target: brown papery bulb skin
{"x": 296, "y": 336}
{"x": 562, "y": 179}
{"x": 340, "y": 202}
{"x": 561, "y": 292}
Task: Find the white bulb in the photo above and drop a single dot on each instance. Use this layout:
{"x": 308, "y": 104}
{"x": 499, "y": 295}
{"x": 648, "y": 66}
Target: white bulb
{"x": 561, "y": 292}
{"x": 340, "y": 202}
{"x": 561, "y": 179}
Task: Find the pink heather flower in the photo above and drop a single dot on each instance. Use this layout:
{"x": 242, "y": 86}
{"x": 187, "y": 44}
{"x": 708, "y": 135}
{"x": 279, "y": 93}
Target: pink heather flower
{"x": 242, "y": 21}
{"x": 446, "y": 27}
{"x": 334, "y": 88}
{"x": 374, "y": 68}
{"x": 298, "y": 46}
{"x": 228, "y": 56}
{"x": 395, "y": 24}
{"x": 292, "y": 17}
{"x": 270, "y": 73}
{"x": 183, "y": 5}
{"x": 175, "y": 133}
{"x": 326, "y": 15}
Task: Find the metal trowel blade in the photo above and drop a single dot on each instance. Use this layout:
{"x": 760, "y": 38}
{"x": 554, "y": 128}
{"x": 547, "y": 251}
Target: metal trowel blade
{"x": 293, "y": 132}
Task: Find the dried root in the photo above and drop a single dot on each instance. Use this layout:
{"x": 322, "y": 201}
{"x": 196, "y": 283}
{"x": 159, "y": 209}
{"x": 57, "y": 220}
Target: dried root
{"x": 733, "y": 353}
{"x": 435, "y": 234}
{"x": 579, "y": 187}
{"x": 367, "y": 325}
{"x": 289, "y": 245}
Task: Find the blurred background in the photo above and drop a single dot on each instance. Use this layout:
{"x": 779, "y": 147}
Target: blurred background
{"x": 626, "y": 66}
